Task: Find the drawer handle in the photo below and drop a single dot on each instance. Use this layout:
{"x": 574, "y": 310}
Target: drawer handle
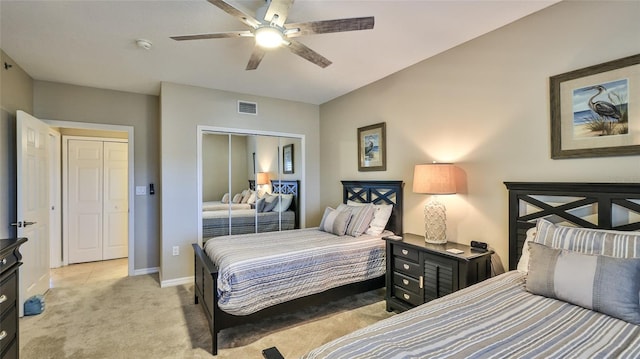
{"x": 405, "y": 252}
{"x": 3, "y": 298}
{"x": 4, "y": 261}
{"x": 406, "y": 296}
{"x": 3, "y": 334}
{"x": 406, "y": 266}
{"x": 404, "y": 281}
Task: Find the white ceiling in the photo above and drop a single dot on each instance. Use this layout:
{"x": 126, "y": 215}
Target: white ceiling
{"x": 92, "y": 43}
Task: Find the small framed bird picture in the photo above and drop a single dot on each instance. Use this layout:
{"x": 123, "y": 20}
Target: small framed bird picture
{"x": 594, "y": 112}
{"x": 372, "y": 148}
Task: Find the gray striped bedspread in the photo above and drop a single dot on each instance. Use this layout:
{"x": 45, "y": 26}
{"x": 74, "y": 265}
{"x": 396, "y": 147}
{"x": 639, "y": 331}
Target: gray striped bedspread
{"x": 497, "y": 318}
{"x": 216, "y": 223}
{"x": 256, "y": 271}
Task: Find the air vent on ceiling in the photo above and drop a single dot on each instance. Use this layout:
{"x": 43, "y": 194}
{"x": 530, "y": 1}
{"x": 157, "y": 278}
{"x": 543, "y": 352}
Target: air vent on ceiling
{"x": 247, "y": 108}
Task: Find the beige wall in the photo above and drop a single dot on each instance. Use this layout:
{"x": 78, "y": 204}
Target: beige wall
{"x": 485, "y": 106}
{"x": 16, "y": 93}
{"x": 183, "y": 108}
{"x": 63, "y": 102}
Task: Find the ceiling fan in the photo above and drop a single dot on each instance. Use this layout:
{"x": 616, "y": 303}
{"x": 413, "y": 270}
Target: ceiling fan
{"x": 273, "y": 32}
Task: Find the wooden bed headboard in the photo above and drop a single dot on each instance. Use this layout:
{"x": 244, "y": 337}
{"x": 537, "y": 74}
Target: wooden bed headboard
{"x": 589, "y": 205}
{"x": 378, "y": 192}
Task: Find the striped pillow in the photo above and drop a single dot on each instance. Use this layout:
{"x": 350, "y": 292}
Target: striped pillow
{"x": 617, "y": 244}
{"x": 335, "y": 221}
{"x": 361, "y": 217}
{"x": 605, "y": 284}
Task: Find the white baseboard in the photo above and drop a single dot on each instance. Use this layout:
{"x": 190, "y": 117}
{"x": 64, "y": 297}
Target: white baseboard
{"x": 144, "y": 271}
{"x": 174, "y": 282}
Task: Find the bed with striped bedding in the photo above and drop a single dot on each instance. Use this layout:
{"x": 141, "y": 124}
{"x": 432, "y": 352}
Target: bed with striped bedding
{"x": 243, "y": 221}
{"x": 497, "y": 318}
{"x": 219, "y": 206}
{"x": 257, "y": 271}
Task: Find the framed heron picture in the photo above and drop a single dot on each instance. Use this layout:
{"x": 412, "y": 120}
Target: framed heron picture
{"x": 595, "y": 111}
{"x": 372, "y": 148}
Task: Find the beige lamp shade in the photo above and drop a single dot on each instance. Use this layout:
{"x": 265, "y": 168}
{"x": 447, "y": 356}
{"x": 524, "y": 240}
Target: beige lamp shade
{"x": 434, "y": 178}
{"x": 262, "y": 178}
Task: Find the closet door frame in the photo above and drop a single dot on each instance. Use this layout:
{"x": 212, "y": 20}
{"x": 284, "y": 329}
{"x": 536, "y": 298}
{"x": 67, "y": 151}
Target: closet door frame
{"x": 202, "y": 129}
{"x": 65, "y": 205}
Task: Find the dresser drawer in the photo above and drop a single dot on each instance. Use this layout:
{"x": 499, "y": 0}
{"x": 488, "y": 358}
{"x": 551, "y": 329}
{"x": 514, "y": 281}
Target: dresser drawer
{"x": 406, "y": 282}
{"x": 11, "y": 352}
{"x": 406, "y": 267}
{"x": 407, "y": 296}
{"x": 7, "y": 261}
{"x": 406, "y": 252}
{"x": 8, "y": 289}
{"x": 8, "y": 328}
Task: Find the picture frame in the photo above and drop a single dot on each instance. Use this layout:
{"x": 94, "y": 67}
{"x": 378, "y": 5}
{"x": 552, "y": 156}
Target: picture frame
{"x": 372, "y": 148}
{"x": 593, "y": 113}
{"x": 287, "y": 159}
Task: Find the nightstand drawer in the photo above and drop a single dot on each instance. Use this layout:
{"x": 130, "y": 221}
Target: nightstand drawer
{"x": 8, "y": 328}
{"x": 407, "y": 296}
{"x": 406, "y": 267}
{"x": 406, "y": 252}
{"x": 406, "y": 282}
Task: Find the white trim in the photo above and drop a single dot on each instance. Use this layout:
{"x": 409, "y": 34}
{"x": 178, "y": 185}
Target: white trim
{"x": 130, "y": 133}
{"x": 176, "y": 281}
{"x": 144, "y": 271}
{"x": 201, "y": 129}
{"x": 55, "y": 199}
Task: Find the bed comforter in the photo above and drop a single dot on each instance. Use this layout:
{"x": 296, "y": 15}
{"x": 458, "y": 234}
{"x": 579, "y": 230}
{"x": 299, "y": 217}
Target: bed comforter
{"x": 219, "y": 206}
{"x": 256, "y": 271}
{"x": 216, "y": 223}
{"x": 497, "y": 318}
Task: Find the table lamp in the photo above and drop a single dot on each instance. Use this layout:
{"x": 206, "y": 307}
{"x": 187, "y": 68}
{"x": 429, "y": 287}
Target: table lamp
{"x": 434, "y": 179}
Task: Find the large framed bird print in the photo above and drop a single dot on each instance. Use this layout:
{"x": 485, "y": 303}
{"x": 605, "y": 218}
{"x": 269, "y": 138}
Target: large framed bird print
{"x": 595, "y": 111}
{"x": 372, "y": 148}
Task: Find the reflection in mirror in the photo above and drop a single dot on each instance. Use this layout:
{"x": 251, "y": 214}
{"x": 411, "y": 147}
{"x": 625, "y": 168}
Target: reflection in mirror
{"x": 244, "y": 187}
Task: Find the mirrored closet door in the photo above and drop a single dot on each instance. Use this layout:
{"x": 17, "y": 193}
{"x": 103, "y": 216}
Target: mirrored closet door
{"x": 250, "y": 183}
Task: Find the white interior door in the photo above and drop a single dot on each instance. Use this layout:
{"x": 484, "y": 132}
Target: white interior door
{"x": 32, "y": 142}
{"x": 85, "y": 197}
{"x": 116, "y": 199}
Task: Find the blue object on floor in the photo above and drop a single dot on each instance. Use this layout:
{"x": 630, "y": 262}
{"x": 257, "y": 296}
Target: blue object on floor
{"x": 34, "y": 305}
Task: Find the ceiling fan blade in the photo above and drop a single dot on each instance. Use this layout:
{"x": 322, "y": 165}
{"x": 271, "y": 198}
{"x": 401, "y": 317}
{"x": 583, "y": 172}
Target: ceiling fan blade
{"x": 327, "y": 26}
{"x": 238, "y": 14}
{"x": 305, "y": 52}
{"x": 256, "y": 57}
{"x": 219, "y": 35}
{"x": 279, "y": 8}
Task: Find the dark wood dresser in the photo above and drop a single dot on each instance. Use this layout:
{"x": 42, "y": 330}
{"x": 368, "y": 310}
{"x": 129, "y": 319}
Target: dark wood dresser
{"x": 10, "y": 261}
{"x": 418, "y": 272}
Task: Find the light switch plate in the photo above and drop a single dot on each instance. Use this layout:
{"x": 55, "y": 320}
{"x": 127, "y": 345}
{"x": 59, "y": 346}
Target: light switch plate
{"x": 141, "y": 190}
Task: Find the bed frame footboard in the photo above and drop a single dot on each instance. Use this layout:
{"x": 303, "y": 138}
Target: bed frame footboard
{"x": 205, "y": 289}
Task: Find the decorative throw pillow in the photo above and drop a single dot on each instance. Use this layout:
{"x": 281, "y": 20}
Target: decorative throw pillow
{"x": 260, "y": 205}
{"x": 270, "y": 202}
{"x": 225, "y": 198}
{"x": 361, "y": 217}
{"x": 283, "y": 203}
{"x": 380, "y": 217}
{"x": 245, "y": 196}
{"x": 605, "y": 284}
{"x": 619, "y": 244}
{"x": 335, "y": 221}
{"x": 237, "y": 198}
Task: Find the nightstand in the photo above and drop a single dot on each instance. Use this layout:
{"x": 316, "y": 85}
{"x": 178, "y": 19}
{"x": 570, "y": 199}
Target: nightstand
{"x": 418, "y": 272}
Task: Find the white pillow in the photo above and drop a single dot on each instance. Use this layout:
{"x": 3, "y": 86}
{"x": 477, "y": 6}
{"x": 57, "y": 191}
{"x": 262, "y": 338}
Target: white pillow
{"x": 523, "y": 263}
{"x": 380, "y": 218}
{"x": 284, "y": 203}
{"x": 237, "y": 198}
{"x": 225, "y": 198}
{"x": 245, "y": 196}
{"x": 252, "y": 198}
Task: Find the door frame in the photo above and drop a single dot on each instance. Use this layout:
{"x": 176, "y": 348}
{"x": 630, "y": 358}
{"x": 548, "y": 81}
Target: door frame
{"x": 131, "y": 183}
{"x": 55, "y": 198}
{"x": 202, "y": 129}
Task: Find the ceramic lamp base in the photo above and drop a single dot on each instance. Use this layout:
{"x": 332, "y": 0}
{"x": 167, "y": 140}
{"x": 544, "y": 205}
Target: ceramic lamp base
{"x": 435, "y": 222}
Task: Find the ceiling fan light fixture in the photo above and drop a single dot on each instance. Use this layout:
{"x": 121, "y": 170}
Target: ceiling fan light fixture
{"x": 269, "y": 37}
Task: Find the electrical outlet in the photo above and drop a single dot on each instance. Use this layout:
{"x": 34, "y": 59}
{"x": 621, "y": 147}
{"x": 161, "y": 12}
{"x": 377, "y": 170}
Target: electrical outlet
{"x": 176, "y": 251}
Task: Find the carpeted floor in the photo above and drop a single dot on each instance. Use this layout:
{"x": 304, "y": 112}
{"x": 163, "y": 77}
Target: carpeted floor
{"x": 132, "y": 317}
